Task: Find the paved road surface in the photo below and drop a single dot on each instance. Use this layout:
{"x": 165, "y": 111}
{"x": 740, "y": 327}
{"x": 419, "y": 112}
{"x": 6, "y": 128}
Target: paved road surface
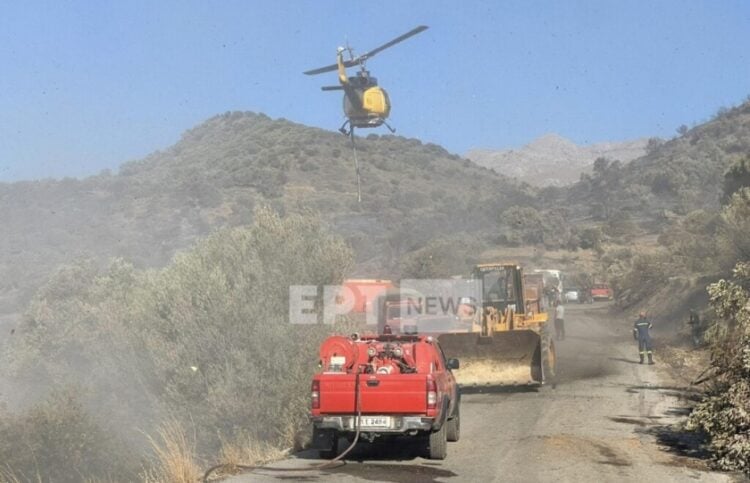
{"x": 603, "y": 421}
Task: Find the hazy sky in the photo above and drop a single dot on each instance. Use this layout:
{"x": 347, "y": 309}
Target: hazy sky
{"x": 88, "y": 85}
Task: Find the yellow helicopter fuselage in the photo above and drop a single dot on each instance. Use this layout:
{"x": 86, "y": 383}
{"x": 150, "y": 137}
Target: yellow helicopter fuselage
{"x": 365, "y": 103}
{"x": 369, "y": 108}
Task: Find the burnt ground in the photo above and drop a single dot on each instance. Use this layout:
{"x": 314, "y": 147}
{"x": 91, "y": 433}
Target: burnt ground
{"x": 607, "y": 418}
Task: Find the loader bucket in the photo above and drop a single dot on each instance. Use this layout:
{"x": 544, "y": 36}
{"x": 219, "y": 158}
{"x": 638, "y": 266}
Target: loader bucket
{"x": 504, "y": 358}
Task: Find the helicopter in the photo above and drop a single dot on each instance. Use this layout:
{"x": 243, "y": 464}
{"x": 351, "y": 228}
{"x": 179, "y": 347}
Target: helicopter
{"x": 366, "y": 105}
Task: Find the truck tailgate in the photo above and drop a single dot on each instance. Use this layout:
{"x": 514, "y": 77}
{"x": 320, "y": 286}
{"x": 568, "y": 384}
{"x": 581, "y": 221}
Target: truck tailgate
{"x": 379, "y": 394}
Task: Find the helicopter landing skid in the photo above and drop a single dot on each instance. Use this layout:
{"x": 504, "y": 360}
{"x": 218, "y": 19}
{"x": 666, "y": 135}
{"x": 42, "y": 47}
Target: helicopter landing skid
{"x": 348, "y": 127}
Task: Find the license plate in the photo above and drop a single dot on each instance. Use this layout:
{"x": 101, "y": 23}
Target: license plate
{"x": 375, "y": 422}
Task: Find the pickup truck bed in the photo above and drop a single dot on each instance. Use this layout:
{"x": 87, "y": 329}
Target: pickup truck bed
{"x": 377, "y": 393}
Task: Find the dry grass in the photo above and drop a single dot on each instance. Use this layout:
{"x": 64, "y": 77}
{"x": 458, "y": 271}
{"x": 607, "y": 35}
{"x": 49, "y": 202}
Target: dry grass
{"x": 248, "y": 452}
{"x": 177, "y": 462}
{"x": 175, "y": 456}
{"x": 236, "y": 456}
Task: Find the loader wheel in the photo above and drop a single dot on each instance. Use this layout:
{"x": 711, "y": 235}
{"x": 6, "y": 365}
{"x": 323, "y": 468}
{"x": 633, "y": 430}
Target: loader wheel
{"x": 549, "y": 359}
{"x": 438, "y": 442}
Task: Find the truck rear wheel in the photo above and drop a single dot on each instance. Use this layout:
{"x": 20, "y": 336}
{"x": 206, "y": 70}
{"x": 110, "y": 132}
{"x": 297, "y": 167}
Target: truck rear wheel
{"x": 438, "y": 442}
{"x": 331, "y": 449}
{"x": 453, "y": 428}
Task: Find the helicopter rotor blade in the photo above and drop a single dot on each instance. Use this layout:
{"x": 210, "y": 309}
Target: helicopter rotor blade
{"x": 361, "y": 58}
{"x": 332, "y": 88}
{"x": 332, "y": 67}
{"x": 320, "y": 70}
{"x": 393, "y": 42}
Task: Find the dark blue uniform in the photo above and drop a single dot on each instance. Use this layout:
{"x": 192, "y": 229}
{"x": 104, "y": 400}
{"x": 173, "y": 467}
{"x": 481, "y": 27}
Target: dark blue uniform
{"x": 641, "y": 333}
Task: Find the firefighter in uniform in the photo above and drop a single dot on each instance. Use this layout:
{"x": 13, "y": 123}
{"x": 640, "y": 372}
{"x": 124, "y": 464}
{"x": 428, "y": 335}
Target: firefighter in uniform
{"x": 641, "y": 333}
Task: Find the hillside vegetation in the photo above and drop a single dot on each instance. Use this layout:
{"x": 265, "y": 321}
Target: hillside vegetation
{"x": 215, "y": 175}
{"x": 674, "y": 220}
{"x": 198, "y": 356}
{"x": 674, "y": 178}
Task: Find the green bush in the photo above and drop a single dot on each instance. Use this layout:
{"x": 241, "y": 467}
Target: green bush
{"x": 734, "y": 242}
{"x": 724, "y": 413}
{"x": 692, "y": 242}
{"x": 591, "y": 238}
{"x": 736, "y": 177}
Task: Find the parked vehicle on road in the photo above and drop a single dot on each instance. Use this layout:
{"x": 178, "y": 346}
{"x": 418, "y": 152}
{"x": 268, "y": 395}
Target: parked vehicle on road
{"x": 571, "y": 295}
{"x": 602, "y": 291}
{"x": 384, "y": 386}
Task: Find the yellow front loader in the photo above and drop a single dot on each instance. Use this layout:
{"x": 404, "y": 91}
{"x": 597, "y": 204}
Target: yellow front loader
{"x": 505, "y": 340}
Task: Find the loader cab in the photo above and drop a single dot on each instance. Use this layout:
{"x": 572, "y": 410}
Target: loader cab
{"x": 502, "y": 287}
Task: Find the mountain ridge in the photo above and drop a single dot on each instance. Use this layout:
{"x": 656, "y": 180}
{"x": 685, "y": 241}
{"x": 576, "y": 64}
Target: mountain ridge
{"x": 553, "y": 160}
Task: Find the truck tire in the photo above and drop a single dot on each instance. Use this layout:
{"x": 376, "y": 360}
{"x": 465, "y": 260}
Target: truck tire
{"x": 453, "y": 427}
{"x": 438, "y": 442}
{"x": 333, "y": 451}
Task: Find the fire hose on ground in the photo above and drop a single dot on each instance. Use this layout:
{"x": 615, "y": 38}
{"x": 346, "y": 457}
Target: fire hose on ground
{"x": 327, "y": 464}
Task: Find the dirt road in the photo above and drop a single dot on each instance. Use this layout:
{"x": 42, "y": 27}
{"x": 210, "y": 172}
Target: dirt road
{"x": 606, "y": 420}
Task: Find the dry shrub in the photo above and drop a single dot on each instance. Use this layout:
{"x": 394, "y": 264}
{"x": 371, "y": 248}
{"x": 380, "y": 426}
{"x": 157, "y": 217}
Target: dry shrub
{"x": 249, "y": 452}
{"x": 175, "y": 452}
{"x": 176, "y": 459}
{"x": 245, "y": 451}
